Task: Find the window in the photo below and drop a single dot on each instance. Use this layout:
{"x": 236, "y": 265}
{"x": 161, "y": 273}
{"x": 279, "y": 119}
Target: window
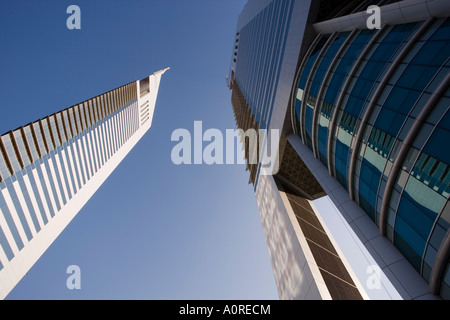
{"x": 144, "y": 86}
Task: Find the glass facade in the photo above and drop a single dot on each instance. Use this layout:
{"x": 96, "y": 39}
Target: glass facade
{"x": 367, "y": 90}
{"x": 261, "y": 50}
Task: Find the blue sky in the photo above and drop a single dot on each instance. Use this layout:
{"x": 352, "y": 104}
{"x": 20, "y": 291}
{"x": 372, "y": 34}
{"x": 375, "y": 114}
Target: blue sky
{"x": 154, "y": 230}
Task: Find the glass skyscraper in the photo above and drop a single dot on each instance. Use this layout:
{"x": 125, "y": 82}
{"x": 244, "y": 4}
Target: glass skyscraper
{"x": 51, "y": 167}
{"x": 366, "y": 112}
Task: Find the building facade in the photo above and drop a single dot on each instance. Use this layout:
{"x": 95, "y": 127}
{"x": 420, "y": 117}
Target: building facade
{"x": 51, "y": 167}
{"x": 365, "y": 113}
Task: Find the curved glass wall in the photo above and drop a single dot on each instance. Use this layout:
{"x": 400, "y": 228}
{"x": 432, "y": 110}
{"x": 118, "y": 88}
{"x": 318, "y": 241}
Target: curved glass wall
{"x": 401, "y": 101}
{"x": 332, "y": 87}
{"x": 314, "y": 82}
{"x": 416, "y": 220}
{"x": 304, "y": 76}
{"x": 358, "y": 95}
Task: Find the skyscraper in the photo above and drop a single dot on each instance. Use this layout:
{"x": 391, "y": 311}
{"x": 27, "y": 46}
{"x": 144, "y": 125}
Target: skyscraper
{"x": 51, "y": 167}
{"x": 364, "y": 119}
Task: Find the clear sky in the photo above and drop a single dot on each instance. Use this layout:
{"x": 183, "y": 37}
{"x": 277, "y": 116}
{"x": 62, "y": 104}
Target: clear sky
{"x": 154, "y": 230}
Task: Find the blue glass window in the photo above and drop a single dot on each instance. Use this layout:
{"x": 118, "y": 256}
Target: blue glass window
{"x": 341, "y": 161}
{"x": 334, "y": 88}
{"x": 317, "y": 79}
{"x": 443, "y": 32}
{"x": 417, "y": 211}
{"x": 370, "y": 175}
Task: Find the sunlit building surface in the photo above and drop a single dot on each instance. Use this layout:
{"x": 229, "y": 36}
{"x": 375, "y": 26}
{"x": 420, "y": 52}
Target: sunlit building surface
{"x": 50, "y": 168}
{"x": 364, "y": 119}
